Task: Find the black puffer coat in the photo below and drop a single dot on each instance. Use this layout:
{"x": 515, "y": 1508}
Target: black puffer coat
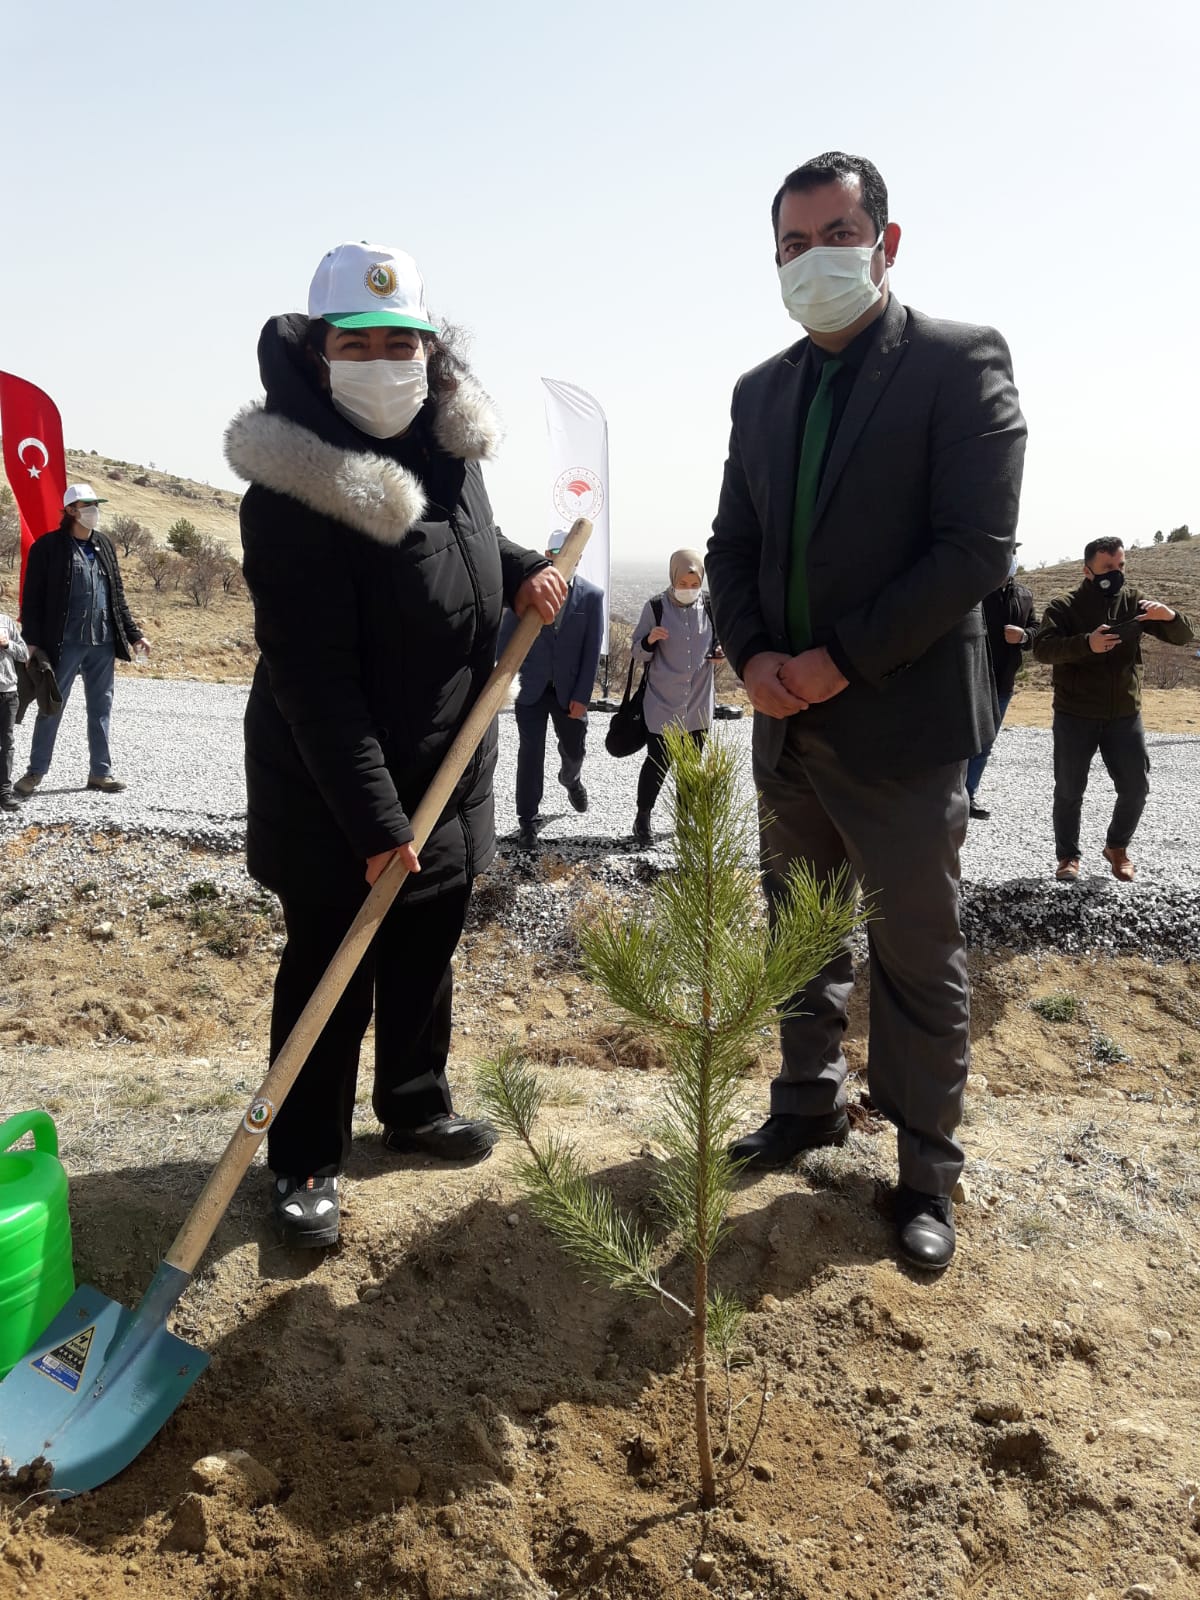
{"x": 378, "y": 579}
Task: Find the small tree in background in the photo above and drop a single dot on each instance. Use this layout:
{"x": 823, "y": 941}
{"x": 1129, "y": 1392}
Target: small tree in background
{"x": 701, "y": 974}
{"x": 1158, "y": 537}
{"x": 127, "y": 534}
{"x": 204, "y": 571}
{"x": 158, "y": 565}
{"x": 183, "y": 537}
{"x": 231, "y": 574}
{"x": 10, "y": 528}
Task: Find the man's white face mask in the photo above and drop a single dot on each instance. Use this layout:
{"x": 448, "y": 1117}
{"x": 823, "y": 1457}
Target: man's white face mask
{"x": 89, "y": 517}
{"x": 380, "y": 397}
{"x": 830, "y": 286}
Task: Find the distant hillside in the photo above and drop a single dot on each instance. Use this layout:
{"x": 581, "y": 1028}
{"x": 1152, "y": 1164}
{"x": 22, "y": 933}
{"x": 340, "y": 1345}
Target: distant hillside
{"x": 156, "y": 499}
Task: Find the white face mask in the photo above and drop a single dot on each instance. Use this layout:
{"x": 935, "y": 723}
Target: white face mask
{"x": 830, "y": 286}
{"x": 686, "y": 597}
{"x": 89, "y": 517}
{"x": 380, "y": 397}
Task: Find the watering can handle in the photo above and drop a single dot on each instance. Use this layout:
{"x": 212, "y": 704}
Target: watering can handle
{"x": 39, "y": 1123}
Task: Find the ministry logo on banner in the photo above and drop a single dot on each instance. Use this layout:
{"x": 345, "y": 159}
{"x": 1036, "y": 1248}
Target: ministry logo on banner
{"x": 578, "y": 492}
{"x": 577, "y": 433}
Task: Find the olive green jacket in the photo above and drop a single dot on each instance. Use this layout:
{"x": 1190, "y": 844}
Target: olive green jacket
{"x": 1087, "y": 684}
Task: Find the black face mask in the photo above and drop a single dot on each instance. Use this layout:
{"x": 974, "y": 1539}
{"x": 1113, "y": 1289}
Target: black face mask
{"x": 1109, "y": 583}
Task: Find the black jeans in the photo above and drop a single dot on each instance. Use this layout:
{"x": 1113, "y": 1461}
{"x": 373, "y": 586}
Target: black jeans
{"x": 8, "y": 724}
{"x": 407, "y": 974}
{"x": 1121, "y": 742}
{"x": 571, "y": 733}
{"x": 655, "y": 767}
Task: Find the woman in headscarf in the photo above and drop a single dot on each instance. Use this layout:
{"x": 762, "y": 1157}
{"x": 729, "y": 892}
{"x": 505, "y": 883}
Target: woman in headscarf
{"x": 675, "y": 635}
{"x": 378, "y": 578}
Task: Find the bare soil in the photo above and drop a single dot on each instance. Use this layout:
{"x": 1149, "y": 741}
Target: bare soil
{"x": 440, "y": 1407}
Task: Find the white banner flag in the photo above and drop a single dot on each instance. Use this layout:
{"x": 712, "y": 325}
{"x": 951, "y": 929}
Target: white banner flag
{"x": 578, "y": 431}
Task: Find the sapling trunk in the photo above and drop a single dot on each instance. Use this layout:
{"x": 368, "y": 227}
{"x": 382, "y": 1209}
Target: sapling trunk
{"x": 701, "y": 974}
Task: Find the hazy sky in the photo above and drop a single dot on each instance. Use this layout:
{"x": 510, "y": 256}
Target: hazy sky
{"x": 588, "y": 189}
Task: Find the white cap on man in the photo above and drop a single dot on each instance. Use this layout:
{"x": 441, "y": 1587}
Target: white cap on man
{"x": 82, "y": 493}
{"x": 369, "y": 286}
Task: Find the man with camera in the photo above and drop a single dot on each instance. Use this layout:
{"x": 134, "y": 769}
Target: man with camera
{"x": 1092, "y": 639}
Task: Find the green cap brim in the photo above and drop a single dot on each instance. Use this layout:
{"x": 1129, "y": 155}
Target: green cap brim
{"x": 380, "y": 319}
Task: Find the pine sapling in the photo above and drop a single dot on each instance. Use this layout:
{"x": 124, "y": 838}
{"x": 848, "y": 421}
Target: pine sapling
{"x": 701, "y": 974}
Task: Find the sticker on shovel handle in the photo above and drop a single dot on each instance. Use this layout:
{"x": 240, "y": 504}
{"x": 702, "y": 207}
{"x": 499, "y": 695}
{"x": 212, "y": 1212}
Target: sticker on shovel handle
{"x": 259, "y": 1115}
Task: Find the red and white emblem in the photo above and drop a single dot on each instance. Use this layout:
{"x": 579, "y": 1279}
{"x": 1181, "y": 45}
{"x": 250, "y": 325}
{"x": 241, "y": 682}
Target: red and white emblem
{"x": 578, "y": 492}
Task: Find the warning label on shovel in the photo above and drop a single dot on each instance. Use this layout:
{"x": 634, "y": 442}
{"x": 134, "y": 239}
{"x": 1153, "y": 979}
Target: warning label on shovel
{"x": 65, "y": 1363}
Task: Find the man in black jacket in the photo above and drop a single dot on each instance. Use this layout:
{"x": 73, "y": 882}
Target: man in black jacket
{"x": 1009, "y": 618}
{"x": 869, "y": 503}
{"x": 555, "y": 686}
{"x": 73, "y": 611}
{"x": 1092, "y": 639}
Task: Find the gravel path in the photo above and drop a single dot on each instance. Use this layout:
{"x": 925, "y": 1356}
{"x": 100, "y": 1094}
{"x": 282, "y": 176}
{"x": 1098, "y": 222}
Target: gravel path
{"x": 180, "y": 746}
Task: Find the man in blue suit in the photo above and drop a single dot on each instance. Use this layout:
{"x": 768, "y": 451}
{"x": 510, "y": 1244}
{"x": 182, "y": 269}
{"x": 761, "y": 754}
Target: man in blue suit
{"x": 556, "y": 685}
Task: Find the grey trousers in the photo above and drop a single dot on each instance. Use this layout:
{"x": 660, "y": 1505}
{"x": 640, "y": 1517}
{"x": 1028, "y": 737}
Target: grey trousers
{"x": 901, "y": 838}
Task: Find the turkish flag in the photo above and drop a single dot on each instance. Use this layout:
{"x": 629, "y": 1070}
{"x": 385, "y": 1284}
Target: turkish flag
{"x": 33, "y": 458}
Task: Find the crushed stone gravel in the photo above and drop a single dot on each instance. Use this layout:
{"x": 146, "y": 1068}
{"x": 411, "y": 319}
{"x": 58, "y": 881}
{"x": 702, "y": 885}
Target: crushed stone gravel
{"x": 179, "y": 747}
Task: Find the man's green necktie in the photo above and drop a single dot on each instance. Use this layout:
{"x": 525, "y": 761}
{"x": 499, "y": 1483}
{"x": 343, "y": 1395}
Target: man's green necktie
{"x": 808, "y": 480}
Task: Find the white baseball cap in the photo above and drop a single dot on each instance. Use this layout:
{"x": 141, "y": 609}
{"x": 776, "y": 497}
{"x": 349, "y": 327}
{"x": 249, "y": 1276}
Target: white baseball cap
{"x": 82, "y": 492}
{"x": 369, "y": 286}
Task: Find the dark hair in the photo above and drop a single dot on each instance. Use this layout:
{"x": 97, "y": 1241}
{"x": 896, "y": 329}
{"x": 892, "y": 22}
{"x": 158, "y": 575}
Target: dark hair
{"x": 444, "y": 353}
{"x": 1108, "y": 546}
{"x": 835, "y": 167}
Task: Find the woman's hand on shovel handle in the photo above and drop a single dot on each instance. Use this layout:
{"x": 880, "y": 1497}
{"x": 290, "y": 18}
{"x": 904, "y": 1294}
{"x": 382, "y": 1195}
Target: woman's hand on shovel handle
{"x": 545, "y": 591}
{"x": 376, "y": 864}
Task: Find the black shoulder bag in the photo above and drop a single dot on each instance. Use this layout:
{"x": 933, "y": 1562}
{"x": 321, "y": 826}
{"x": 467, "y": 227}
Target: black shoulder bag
{"x": 627, "y": 726}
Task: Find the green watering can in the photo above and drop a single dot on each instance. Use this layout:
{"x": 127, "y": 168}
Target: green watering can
{"x": 36, "y": 1279}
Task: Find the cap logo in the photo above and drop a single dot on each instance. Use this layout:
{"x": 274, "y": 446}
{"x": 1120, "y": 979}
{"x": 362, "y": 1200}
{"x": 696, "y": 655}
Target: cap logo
{"x": 381, "y": 279}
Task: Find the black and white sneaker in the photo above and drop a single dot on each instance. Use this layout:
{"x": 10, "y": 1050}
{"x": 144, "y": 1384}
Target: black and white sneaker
{"x": 306, "y": 1211}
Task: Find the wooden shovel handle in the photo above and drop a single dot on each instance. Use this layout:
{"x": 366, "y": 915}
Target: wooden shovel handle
{"x": 201, "y": 1222}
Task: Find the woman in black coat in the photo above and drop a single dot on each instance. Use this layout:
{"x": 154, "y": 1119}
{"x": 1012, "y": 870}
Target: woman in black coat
{"x": 378, "y": 578}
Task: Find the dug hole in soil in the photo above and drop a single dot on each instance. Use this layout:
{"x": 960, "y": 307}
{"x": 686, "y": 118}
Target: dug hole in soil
{"x": 441, "y": 1409}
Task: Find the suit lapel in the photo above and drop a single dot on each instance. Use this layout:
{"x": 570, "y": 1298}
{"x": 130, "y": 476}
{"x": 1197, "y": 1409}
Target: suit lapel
{"x": 876, "y": 372}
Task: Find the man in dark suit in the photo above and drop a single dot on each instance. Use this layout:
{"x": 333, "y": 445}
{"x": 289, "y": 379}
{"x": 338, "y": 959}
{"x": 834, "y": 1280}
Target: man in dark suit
{"x": 556, "y": 686}
{"x": 869, "y": 503}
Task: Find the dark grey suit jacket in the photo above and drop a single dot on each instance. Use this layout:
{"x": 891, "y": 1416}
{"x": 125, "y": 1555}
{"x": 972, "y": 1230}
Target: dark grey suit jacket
{"x": 915, "y": 522}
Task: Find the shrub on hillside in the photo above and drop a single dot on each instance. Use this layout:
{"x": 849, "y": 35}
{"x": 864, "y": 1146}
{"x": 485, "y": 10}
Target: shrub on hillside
{"x": 1179, "y": 535}
{"x": 183, "y": 537}
{"x": 158, "y": 565}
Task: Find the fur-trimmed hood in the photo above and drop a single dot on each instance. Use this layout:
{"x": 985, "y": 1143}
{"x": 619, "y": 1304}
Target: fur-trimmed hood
{"x": 297, "y": 445}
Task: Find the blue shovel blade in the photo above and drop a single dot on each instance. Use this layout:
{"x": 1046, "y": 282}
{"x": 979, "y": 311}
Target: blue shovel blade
{"x": 95, "y": 1389}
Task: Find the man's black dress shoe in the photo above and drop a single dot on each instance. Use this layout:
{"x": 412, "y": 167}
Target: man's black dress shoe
{"x": 978, "y": 813}
{"x": 527, "y": 838}
{"x": 577, "y": 795}
{"x": 782, "y": 1137}
{"x": 449, "y": 1138}
{"x": 925, "y": 1228}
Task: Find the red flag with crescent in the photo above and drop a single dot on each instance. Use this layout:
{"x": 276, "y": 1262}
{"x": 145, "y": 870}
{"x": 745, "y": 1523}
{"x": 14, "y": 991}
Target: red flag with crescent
{"x": 34, "y": 462}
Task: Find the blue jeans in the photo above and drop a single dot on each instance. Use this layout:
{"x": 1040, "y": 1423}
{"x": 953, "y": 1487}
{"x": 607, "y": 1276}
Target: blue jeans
{"x": 94, "y": 663}
{"x": 977, "y": 763}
